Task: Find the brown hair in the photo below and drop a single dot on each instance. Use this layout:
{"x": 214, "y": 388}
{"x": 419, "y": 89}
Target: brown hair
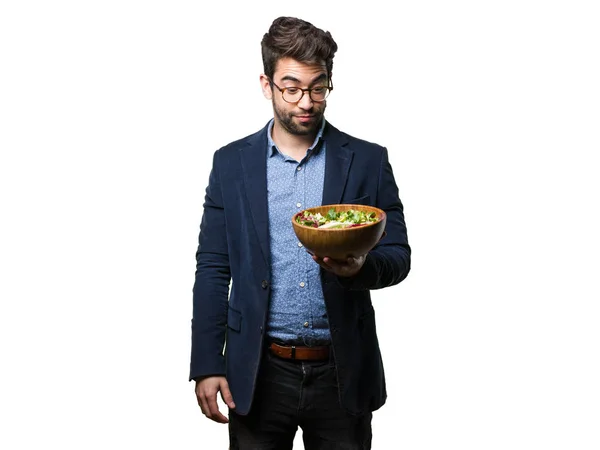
{"x": 297, "y": 39}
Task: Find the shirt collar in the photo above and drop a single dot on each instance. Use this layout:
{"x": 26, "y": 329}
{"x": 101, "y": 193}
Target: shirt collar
{"x": 272, "y": 147}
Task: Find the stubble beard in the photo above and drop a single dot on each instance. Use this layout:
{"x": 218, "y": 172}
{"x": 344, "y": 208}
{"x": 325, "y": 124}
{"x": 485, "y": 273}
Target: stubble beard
{"x": 299, "y": 129}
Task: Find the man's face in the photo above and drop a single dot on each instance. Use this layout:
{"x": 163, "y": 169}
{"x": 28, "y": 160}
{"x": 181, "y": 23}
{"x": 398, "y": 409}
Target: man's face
{"x": 302, "y": 118}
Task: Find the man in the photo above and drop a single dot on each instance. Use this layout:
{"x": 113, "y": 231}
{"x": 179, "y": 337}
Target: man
{"x": 293, "y": 344}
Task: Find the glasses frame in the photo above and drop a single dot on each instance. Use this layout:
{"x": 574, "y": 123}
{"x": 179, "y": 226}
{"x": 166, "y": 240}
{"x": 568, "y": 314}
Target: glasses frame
{"x": 309, "y": 90}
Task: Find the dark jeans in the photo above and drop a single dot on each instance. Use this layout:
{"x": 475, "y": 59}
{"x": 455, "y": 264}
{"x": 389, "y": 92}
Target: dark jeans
{"x": 291, "y": 394}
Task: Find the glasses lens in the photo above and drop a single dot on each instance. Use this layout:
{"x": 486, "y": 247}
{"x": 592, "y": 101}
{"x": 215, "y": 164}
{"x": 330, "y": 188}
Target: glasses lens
{"x": 319, "y": 94}
{"x": 292, "y": 95}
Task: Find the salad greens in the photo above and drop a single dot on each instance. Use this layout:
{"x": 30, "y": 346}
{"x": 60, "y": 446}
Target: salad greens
{"x": 336, "y": 219}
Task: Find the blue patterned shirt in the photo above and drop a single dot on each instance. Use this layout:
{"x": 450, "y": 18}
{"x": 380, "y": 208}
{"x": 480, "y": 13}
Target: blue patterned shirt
{"x": 297, "y": 311}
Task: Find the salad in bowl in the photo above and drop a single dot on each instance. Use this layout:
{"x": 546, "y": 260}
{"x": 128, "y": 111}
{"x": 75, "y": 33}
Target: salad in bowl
{"x": 339, "y": 230}
{"x": 337, "y": 219}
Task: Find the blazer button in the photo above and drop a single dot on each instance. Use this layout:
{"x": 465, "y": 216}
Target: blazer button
{"x": 264, "y": 284}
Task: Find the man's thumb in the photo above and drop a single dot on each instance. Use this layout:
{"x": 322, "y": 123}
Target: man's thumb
{"x": 226, "y": 395}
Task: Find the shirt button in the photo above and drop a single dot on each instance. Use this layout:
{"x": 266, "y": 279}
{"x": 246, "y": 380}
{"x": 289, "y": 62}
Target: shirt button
{"x": 298, "y": 204}
{"x": 302, "y": 284}
{"x": 299, "y": 244}
{"x": 264, "y": 284}
{"x": 305, "y": 324}
{"x": 299, "y": 169}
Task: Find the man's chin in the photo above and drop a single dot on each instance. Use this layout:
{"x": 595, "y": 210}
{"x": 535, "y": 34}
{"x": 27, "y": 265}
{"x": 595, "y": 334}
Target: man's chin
{"x": 305, "y": 128}
{"x": 305, "y": 132}
{"x": 300, "y": 130}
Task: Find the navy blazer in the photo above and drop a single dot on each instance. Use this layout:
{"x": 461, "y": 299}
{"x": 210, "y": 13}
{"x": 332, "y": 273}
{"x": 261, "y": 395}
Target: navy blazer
{"x": 234, "y": 245}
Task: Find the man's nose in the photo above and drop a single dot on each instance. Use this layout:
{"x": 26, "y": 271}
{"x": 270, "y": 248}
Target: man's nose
{"x": 305, "y": 102}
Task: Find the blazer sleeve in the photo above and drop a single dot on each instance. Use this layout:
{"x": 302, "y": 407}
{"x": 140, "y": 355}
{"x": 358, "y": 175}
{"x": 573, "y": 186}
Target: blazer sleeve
{"x": 388, "y": 263}
{"x": 211, "y": 286}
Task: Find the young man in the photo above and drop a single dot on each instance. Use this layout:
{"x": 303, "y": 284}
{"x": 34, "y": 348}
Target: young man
{"x": 301, "y": 348}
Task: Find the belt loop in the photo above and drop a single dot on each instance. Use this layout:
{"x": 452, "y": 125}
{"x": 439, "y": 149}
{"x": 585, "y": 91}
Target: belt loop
{"x": 293, "y": 352}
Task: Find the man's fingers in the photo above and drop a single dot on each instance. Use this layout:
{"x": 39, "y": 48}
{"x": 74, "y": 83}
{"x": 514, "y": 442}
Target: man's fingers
{"x": 226, "y": 395}
{"x": 331, "y": 265}
{"x": 206, "y": 393}
{"x": 322, "y": 263}
{"x": 203, "y": 405}
{"x": 346, "y": 268}
{"x": 337, "y": 265}
{"x": 213, "y": 410}
{"x": 201, "y": 397}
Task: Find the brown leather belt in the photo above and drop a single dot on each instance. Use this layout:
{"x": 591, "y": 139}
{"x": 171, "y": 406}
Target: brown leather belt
{"x": 320, "y": 353}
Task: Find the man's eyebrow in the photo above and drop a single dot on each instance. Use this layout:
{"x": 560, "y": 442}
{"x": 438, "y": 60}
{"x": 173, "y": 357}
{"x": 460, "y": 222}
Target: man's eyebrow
{"x": 290, "y": 78}
{"x": 319, "y": 78}
{"x": 296, "y": 80}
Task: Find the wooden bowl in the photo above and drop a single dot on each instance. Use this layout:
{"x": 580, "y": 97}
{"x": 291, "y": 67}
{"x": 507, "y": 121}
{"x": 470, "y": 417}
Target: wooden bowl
{"x": 339, "y": 243}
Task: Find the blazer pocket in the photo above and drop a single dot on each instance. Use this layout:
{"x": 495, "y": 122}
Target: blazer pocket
{"x": 364, "y": 200}
{"x": 234, "y": 319}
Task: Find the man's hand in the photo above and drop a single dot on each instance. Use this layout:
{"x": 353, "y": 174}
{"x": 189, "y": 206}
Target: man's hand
{"x": 206, "y": 393}
{"x": 347, "y": 268}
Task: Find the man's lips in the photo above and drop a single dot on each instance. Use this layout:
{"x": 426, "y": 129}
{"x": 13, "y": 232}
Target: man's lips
{"x": 305, "y": 118}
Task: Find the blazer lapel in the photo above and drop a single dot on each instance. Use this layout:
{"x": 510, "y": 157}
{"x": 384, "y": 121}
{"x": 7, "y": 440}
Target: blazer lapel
{"x": 337, "y": 165}
{"x": 254, "y": 167}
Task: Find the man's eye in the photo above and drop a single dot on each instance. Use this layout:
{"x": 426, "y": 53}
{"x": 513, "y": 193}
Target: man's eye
{"x": 292, "y": 90}
{"x": 318, "y": 90}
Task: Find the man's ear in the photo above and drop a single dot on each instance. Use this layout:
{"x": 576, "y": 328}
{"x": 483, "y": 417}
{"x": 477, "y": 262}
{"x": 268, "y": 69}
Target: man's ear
{"x": 265, "y": 84}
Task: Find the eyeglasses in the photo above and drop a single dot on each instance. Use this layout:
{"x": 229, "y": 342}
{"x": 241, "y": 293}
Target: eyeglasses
{"x": 294, "y": 94}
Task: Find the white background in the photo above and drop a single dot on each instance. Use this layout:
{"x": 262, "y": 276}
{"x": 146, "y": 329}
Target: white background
{"x": 109, "y": 115}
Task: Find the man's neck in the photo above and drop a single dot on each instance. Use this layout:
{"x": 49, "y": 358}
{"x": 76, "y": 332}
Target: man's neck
{"x": 291, "y": 144}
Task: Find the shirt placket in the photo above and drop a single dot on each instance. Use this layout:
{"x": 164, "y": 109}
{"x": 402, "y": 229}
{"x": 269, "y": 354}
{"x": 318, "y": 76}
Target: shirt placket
{"x": 302, "y": 275}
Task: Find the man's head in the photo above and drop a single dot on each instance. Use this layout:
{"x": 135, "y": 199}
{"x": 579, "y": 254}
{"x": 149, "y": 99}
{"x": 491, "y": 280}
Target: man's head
{"x": 297, "y": 39}
{"x": 298, "y": 61}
